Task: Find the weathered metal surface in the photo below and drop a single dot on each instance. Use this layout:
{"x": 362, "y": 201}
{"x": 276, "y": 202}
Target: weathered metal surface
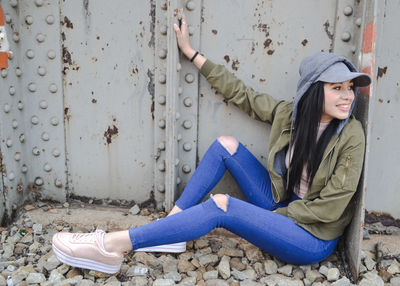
{"x": 382, "y": 166}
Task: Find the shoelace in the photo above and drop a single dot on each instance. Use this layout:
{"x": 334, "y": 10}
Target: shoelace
{"x": 86, "y": 237}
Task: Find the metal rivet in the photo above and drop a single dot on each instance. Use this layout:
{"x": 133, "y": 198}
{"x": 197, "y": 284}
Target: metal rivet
{"x": 24, "y": 169}
{"x": 191, "y": 30}
{"x": 177, "y": 116}
{"x": 161, "y": 146}
{"x": 29, "y": 20}
{"x": 58, "y": 183}
{"x": 162, "y": 54}
{"x": 18, "y": 72}
{"x": 39, "y": 181}
{"x": 15, "y": 37}
{"x": 162, "y": 99}
{"x": 43, "y": 104}
{"x": 8, "y": 18}
{"x": 40, "y": 38}
{"x": 13, "y": 3}
{"x": 353, "y": 49}
{"x": 164, "y": 5}
{"x": 189, "y": 78}
{"x": 4, "y": 73}
{"x": 7, "y": 108}
{"x": 32, "y": 87}
{"x": 348, "y": 10}
{"x": 346, "y": 36}
{"x": 161, "y": 167}
{"x": 188, "y": 102}
{"x": 163, "y": 29}
{"x": 54, "y": 121}
{"x": 51, "y": 54}
{"x": 161, "y": 188}
{"x": 50, "y": 19}
{"x": 186, "y": 168}
{"x": 36, "y": 151}
{"x": 39, "y": 3}
{"x": 47, "y": 167}
{"x": 162, "y": 79}
{"x": 30, "y": 54}
{"x": 20, "y": 105}
{"x": 187, "y": 146}
{"x": 11, "y": 176}
{"x": 190, "y": 5}
{"x": 17, "y": 156}
{"x": 187, "y": 124}
{"x": 56, "y": 152}
{"x": 53, "y": 88}
{"x": 41, "y": 71}
{"x": 177, "y": 161}
{"x": 35, "y": 120}
{"x": 11, "y": 90}
{"x": 161, "y": 123}
{"x": 22, "y": 138}
{"x": 45, "y": 136}
{"x": 9, "y": 143}
{"x": 180, "y": 90}
{"x": 14, "y": 124}
{"x": 358, "y": 22}
{"x": 178, "y": 67}
{"x": 179, "y": 137}
{"x": 178, "y": 180}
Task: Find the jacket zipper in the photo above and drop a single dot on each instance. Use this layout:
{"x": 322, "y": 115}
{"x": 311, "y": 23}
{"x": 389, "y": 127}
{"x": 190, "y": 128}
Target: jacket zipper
{"x": 346, "y": 167}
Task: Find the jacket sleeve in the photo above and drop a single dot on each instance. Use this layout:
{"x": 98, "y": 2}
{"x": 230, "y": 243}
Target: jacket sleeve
{"x": 336, "y": 195}
{"x": 259, "y": 106}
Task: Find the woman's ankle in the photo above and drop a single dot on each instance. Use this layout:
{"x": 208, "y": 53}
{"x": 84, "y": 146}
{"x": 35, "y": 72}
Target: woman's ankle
{"x": 117, "y": 242}
{"x": 175, "y": 210}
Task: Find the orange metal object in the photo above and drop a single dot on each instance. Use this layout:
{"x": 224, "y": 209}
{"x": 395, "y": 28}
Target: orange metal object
{"x": 4, "y": 55}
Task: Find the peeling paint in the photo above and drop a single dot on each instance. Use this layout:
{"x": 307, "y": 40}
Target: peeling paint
{"x": 304, "y": 42}
{"x": 67, "y": 22}
{"x": 66, "y": 56}
{"x": 214, "y": 31}
{"x": 235, "y": 65}
{"x": 110, "y": 133}
{"x": 381, "y": 72}
{"x": 152, "y": 14}
{"x": 227, "y": 59}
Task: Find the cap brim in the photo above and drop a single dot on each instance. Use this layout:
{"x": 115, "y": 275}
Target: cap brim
{"x": 339, "y": 72}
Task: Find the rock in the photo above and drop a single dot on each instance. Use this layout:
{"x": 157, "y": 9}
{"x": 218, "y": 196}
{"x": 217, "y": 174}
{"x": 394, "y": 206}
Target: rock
{"x": 208, "y": 259}
{"x": 393, "y": 269}
{"x": 249, "y": 282}
{"x": 37, "y": 228}
{"x": 286, "y": 270}
{"x": 55, "y": 277}
{"x": 8, "y": 250}
{"x": 333, "y": 274}
{"x": 113, "y": 281}
{"x": 369, "y": 263}
{"x": 395, "y": 281}
{"x": 188, "y": 281}
{"x": 29, "y": 207}
{"x": 85, "y": 282}
{"x": 236, "y": 263}
{"x": 35, "y": 278}
{"x": 224, "y": 268}
{"x": 134, "y": 210}
{"x": 254, "y": 254}
{"x": 146, "y": 259}
{"x": 239, "y": 275}
{"x": 280, "y": 280}
{"x": 136, "y": 271}
{"x": 371, "y": 279}
{"x": 298, "y": 274}
{"x": 185, "y": 266}
{"x": 72, "y": 273}
{"x": 216, "y": 282}
{"x": 144, "y": 212}
{"x": 313, "y": 275}
{"x": 73, "y": 281}
{"x": 259, "y": 268}
{"x": 174, "y": 275}
{"x": 344, "y": 281}
{"x": 201, "y": 243}
{"x": 270, "y": 267}
{"x": 323, "y": 270}
{"x": 139, "y": 281}
{"x": 163, "y": 282}
{"x": 232, "y": 252}
{"x": 210, "y": 275}
{"x": 385, "y": 275}
{"x": 52, "y": 263}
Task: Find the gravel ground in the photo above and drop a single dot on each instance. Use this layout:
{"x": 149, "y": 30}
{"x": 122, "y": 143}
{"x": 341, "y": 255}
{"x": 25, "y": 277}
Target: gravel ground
{"x": 26, "y": 258}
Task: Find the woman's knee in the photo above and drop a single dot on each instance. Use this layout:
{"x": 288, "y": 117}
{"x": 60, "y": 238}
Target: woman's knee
{"x": 221, "y": 200}
{"x": 230, "y": 143}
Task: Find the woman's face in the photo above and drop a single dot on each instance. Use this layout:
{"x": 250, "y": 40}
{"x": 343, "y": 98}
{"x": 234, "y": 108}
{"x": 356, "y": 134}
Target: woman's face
{"x": 338, "y": 100}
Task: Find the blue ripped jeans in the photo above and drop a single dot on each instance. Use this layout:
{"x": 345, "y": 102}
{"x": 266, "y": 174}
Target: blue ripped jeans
{"x": 253, "y": 220}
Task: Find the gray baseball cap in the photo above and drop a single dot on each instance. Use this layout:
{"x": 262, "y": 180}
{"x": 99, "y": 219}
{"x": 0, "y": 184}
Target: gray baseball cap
{"x": 339, "y": 72}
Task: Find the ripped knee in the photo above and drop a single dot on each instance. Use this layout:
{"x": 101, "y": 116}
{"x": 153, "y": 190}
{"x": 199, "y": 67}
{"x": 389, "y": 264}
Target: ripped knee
{"x": 221, "y": 200}
{"x": 230, "y": 143}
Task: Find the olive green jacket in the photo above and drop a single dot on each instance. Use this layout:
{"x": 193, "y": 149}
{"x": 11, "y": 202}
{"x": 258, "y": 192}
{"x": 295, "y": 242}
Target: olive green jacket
{"x": 327, "y": 208}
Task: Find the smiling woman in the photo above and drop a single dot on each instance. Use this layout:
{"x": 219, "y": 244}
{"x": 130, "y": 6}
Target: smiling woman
{"x": 338, "y": 100}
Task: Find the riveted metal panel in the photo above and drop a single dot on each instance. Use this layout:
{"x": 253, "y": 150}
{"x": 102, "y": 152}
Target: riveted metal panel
{"x": 32, "y": 133}
{"x": 108, "y": 55}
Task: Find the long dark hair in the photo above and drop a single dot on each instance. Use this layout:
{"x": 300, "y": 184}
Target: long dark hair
{"x": 307, "y": 151}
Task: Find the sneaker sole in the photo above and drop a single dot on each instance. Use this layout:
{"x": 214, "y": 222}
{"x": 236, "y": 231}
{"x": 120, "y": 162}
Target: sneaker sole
{"x": 170, "y": 248}
{"x": 85, "y": 263}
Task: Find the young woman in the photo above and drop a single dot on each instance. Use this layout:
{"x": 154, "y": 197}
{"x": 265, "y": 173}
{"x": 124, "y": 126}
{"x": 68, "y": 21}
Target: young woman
{"x": 296, "y": 208}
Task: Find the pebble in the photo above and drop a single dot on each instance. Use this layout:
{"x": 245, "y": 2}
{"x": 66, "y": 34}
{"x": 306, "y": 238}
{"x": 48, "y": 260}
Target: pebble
{"x": 270, "y": 267}
{"x": 134, "y": 210}
{"x": 286, "y": 270}
{"x": 224, "y": 268}
{"x": 333, "y": 274}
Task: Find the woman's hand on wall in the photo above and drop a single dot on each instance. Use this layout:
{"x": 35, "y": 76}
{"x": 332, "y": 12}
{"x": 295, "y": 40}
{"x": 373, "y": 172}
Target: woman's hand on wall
{"x": 182, "y": 35}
